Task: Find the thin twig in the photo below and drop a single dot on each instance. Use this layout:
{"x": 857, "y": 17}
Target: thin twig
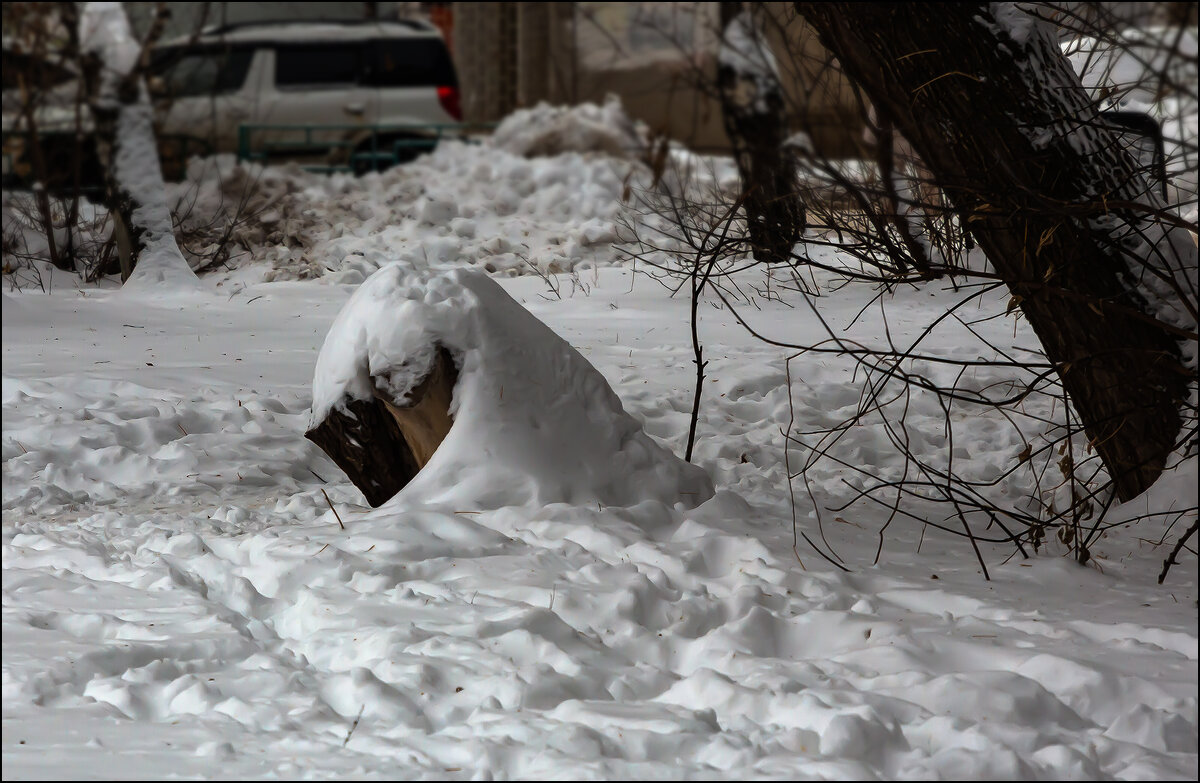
{"x": 354, "y": 725}
{"x": 331, "y": 508}
{"x": 1170, "y": 561}
{"x": 787, "y": 465}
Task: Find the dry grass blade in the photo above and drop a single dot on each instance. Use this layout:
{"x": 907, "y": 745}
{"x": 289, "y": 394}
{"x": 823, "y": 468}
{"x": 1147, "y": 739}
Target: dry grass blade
{"x": 335, "y": 514}
{"x": 357, "y": 718}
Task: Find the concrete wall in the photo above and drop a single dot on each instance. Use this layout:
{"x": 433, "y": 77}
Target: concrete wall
{"x": 653, "y": 61}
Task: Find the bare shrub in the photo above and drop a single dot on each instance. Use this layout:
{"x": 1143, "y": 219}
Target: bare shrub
{"x": 885, "y": 220}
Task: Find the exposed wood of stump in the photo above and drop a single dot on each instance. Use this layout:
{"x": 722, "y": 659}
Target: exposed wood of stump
{"x": 381, "y": 445}
{"x": 426, "y": 419}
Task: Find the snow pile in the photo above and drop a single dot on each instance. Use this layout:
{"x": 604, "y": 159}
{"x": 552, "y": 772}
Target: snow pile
{"x": 548, "y": 130}
{"x": 534, "y": 422}
{"x": 461, "y": 205}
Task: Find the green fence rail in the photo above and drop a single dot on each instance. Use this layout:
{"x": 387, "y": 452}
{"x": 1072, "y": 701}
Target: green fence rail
{"x": 350, "y": 148}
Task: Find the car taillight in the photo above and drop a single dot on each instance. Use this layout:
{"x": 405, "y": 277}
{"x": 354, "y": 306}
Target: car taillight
{"x": 448, "y": 97}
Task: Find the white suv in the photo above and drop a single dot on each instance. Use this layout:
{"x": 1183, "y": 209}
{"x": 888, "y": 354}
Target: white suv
{"x": 350, "y": 92}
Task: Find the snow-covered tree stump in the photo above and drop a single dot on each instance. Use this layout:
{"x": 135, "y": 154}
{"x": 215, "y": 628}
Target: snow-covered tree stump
{"x": 441, "y": 385}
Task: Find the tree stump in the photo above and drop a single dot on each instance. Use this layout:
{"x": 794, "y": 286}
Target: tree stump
{"x": 382, "y": 443}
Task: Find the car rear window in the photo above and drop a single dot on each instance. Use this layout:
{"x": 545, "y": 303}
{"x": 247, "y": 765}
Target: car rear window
{"x": 202, "y": 72}
{"x": 411, "y": 62}
{"x": 311, "y": 65}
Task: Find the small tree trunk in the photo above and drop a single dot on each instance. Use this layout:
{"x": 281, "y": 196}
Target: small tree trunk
{"x": 126, "y": 147}
{"x": 1001, "y": 120}
{"x": 69, "y": 14}
{"x": 752, "y": 109}
{"x": 117, "y": 200}
{"x": 382, "y": 443}
{"x": 124, "y": 244}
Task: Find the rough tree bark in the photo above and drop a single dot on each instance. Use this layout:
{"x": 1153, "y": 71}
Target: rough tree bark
{"x": 1001, "y": 120}
{"x": 752, "y": 108}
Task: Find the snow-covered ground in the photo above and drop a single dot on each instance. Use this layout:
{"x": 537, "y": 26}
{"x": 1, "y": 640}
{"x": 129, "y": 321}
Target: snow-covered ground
{"x": 179, "y": 599}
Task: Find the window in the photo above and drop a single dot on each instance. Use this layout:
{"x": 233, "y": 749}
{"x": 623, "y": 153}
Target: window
{"x": 412, "y": 62}
{"x": 203, "y": 73}
{"x": 317, "y": 65}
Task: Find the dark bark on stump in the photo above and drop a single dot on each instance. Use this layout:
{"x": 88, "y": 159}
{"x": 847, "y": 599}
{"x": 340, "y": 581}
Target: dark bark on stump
{"x": 381, "y": 444}
{"x": 971, "y": 99}
{"x": 365, "y": 442}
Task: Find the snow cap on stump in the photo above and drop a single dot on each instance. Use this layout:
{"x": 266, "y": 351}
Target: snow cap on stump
{"x": 534, "y": 422}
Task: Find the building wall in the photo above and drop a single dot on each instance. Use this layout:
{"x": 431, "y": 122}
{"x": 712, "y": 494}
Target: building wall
{"x": 649, "y": 54}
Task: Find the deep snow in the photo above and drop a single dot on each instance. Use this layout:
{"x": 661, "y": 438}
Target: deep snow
{"x": 179, "y": 599}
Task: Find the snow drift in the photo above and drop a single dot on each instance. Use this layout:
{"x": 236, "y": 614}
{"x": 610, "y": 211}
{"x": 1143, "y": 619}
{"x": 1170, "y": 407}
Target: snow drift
{"x": 554, "y": 130}
{"x": 534, "y": 422}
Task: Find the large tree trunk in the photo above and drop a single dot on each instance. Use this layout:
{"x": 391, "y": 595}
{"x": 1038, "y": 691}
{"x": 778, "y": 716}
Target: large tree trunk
{"x": 752, "y": 109}
{"x": 1002, "y": 121}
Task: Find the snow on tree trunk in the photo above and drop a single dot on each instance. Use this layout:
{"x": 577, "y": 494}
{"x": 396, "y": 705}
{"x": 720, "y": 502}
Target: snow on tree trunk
{"x": 1000, "y": 118}
{"x": 443, "y": 386}
{"x": 134, "y": 190}
{"x": 752, "y": 109}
